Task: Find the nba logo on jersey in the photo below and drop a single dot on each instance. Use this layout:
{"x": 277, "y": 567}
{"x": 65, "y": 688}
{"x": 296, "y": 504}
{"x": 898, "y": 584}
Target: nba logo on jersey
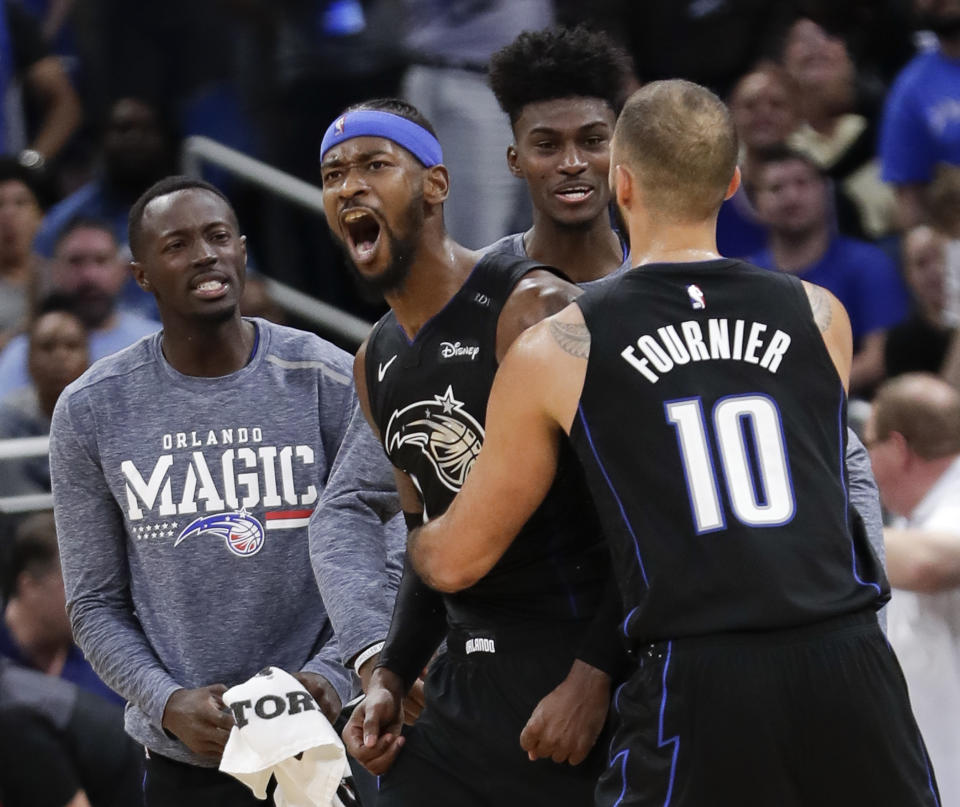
{"x": 697, "y": 301}
{"x": 338, "y": 125}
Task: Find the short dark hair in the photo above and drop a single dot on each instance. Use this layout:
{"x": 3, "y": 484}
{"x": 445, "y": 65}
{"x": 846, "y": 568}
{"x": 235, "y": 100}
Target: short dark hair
{"x": 559, "y": 63}
{"x": 162, "y": 188}
{"x": 781, "y": 153}
{"x": 33, "y": 549}
{"x": 56, "y": 302}
{"x": 11, "y": 169}
{"x": 85, "y": 223}
{"x": 395, "y": 106}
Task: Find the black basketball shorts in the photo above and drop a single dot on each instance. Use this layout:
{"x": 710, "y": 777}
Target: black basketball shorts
{"x": 809, "y": 717}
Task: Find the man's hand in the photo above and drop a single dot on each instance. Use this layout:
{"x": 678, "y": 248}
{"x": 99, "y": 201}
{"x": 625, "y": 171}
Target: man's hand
{"x": 566, "y": 723}
{"x": 199, "y": 719}
{"x": 323, "y": 693}
{"x": 372, "y": 735}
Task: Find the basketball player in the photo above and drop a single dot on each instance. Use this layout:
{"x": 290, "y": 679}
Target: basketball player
{"x": 562, "y": 89}
{"x": 530, "y": 651}
{"x": 185, "y": 469}
{"x": 706, "y": 400}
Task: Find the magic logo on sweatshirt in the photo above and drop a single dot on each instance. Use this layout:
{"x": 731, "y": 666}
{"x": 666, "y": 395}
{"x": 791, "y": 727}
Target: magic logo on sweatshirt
{"x": 216, "y": 478}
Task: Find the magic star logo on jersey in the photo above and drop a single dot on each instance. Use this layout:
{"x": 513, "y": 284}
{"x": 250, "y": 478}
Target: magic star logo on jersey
{"x": 449, "y": 436}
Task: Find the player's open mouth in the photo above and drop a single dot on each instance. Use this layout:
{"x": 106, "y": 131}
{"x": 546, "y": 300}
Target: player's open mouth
{"x": 573, "y": 194}
{"x": 362, "y": 231}
{"x": 210, "y": 286}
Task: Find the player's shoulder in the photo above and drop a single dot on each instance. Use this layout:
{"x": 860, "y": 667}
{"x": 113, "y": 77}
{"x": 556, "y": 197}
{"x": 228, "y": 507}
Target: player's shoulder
{"x": 118, "y": 366}
{"x": 508, "y": 245}
{"x": 291, "y": 349}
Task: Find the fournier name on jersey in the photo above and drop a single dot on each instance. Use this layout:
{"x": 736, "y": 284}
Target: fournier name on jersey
{"x": 252, "y": 474}
{"x": 656, "y": 354}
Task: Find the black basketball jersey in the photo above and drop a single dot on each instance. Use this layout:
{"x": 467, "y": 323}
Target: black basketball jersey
{"x": 712, "y": 426}
{"x": 428, "y": 398}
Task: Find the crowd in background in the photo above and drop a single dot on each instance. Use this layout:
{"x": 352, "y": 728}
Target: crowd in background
{"x": 848, "y": 115}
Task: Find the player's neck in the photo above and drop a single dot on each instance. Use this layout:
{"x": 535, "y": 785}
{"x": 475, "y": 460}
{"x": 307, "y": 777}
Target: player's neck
{"x": 207, "y": 349}
{"x": 794, "y": 252}
{"x": 440, "y": 267}
{"x": 582, "y": 254}
{"x": 658, "y": 241}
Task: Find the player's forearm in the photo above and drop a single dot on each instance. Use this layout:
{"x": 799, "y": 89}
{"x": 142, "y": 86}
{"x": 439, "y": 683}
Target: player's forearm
{"x": 357, "y": 540}
{"x": 328, "y": 664}
{"x": 418, "y": 626}
{"x": 602, "y": 646}
{"x": 864, "y": 495}
{"x": 114, "y": 644}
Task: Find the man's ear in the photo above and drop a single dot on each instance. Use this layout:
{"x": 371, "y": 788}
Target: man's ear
{"x": 436, "y": 185}
{"x": 900, "y": 450}
{"x": 513, "y": 161}
{"x": 623, "y": 185}
{"x": 734, "y": 185}
{"x": 140, "y": 276}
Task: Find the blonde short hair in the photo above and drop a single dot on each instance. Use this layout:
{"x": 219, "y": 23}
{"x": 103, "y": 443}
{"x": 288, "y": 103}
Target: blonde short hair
{"x": 679, "y": 141}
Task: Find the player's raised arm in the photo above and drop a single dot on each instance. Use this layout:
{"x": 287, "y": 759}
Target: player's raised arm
{"x": 534, "y": 398}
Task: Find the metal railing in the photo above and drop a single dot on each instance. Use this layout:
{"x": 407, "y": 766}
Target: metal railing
{"x": 196, "y": 151}
{"x": 18, "y": 448}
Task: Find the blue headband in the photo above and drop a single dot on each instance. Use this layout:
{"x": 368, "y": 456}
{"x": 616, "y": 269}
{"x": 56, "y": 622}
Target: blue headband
{"x": 374, "y": 123}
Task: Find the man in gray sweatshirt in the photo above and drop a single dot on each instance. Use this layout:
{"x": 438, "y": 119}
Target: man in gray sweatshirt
{"x": 185, "y": 470}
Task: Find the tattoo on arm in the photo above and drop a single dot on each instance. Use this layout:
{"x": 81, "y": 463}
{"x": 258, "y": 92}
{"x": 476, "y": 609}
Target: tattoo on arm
{"x": 820, "y": 306}
{"x": 574, "y": 338}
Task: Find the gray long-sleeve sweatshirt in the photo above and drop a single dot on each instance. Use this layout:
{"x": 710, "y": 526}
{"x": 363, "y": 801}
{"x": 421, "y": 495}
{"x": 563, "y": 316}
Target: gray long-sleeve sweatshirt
{"x": 182, "y": 506}
{"x": 358, "y": 569}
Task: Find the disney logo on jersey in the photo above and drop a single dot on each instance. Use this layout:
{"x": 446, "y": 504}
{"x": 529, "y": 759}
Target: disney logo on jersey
{"x": 448, "y": 435}
{"x": 242, "y": 533}
{"x": 459, "y": 350}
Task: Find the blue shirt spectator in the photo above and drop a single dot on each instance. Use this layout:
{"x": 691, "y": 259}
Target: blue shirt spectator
{"x": 921, "y": 121}
{"x": 862, "y": 276}
{"x": 792, "y": 197}
{"x": 89, "y": 272}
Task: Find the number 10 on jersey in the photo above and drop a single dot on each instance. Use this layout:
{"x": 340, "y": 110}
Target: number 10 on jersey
{"x": 758, "y": 482}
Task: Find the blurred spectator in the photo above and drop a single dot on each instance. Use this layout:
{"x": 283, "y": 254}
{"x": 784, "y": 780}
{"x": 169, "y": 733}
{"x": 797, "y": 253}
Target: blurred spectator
{"x": 764, "y": 109}
{"x": 335, "y": 53}
{"x": 791, "y": 195}
{"x": 57, "y": 354}
{"x": 88, "y": 268}
{"x": 35, "y": 630}
{"x": 914, "y": 439}
{"x": 877, "y": 32}
{"x": 920, "y": 342}
{"x": 24, "y": 59}
{"x": 711, "y": 42}
{"x": 20, "y": 217}
{"x": 450, "y": 44}
{"x": 944, "y": 201}
{"x": 62, "y": 746}
{"x": 137, "y": 150}
{"x": 921, "y": 119}
{"x": 839, "y": 140}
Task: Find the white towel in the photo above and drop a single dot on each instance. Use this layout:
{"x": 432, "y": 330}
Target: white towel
{"x": 276, "y": 720}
